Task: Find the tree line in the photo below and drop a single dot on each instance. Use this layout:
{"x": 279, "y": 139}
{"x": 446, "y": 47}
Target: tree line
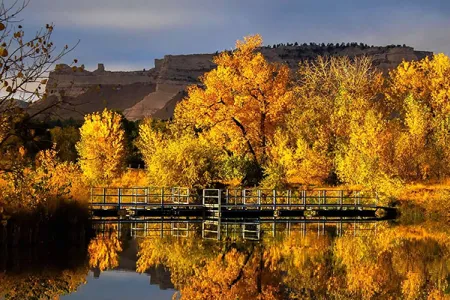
{"x": 252, "y": 122}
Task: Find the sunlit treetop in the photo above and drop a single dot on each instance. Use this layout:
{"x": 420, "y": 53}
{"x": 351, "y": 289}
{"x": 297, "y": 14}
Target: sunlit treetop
{"x": 241, "y": 101}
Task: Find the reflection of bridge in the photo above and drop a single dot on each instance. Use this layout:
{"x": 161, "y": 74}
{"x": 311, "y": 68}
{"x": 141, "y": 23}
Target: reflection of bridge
{"x": 235, "y": 229}
{"x": 218, "y": 204}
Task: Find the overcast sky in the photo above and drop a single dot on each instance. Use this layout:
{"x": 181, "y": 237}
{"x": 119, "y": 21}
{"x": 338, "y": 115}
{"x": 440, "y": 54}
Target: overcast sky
{"x": 129, "y": 34}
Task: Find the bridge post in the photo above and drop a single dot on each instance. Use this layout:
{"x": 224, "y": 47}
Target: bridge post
{"x": 104, "y": 195}
{"x": 304, "y": 199}
{"x": 119, "y": 196}
{"x": 219, "y": 198}
{"x": 289, "y": 195}
{"x": 274, "y": 193}
{"x": 259, "y": 199}
{"x": 304, "y": 227}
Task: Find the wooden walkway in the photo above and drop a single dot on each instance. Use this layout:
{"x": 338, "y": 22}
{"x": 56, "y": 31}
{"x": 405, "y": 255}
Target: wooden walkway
{"x": 148, "y": 202}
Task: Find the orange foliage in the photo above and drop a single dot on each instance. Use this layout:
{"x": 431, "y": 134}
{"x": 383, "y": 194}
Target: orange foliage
{"x": 242, "y": 101}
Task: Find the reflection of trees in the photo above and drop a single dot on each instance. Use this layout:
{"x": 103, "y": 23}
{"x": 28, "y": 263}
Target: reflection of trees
{"x": 48, "y": 284}
{"x": 104, "y": 251}
{"x": 42, "y": 272}
{"x": 400, "y": 262}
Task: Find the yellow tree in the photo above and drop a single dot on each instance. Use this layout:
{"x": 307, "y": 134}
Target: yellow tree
{"x": 240, "y": 102}
{"x": 414, "y": 153}
{"x": 177, "y": 159}
{"x": 104, "y": 251}
{"x": 102, "y": 146}
{"x": 420, "y": 90}
{"x": 330, "y": 93}
{"x": 362, "y": 160}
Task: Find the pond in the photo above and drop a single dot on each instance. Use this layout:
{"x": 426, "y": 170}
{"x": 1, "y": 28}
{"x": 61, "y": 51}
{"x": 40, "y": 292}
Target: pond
{"x": 338, "y": 259}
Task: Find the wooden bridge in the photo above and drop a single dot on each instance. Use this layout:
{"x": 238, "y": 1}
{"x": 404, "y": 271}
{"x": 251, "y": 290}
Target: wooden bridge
{"x": 217, "y": 204}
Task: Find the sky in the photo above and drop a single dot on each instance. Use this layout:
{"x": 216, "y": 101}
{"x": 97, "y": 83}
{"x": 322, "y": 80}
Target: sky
{"x": 130, "y": 34}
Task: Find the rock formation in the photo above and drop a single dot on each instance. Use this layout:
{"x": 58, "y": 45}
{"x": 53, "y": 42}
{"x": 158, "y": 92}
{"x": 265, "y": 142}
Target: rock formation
{"x": 155, "y": 92}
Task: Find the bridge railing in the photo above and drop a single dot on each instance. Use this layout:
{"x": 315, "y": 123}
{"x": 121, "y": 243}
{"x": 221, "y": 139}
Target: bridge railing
{"x": 290, "y": 198}
{"x": 142, "y": 196}
{"x": 229, "y": 198}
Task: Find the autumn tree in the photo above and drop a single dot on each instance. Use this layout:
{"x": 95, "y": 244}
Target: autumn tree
{"x": 330, "y": 94}
{"x": 51, "y": 181}
{"x": 177, "y": 158}
{"x": 102, "y": 147}
{"x": 362, "y": 160}
{"x": 420, "y": 93}
{"x": 239, "y": 103}
{"x": 104, "y": 251}
{"x": 24, "y": 64}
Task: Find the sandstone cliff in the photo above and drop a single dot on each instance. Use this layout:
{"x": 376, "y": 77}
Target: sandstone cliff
{"x": 155, "y": 92}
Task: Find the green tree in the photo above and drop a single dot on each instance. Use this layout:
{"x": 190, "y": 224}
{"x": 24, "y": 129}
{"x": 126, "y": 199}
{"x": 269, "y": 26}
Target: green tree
{"x": 65, "y": 139}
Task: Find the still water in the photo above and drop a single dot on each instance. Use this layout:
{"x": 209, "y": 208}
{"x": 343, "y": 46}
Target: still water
{"x": 199, "y": 260}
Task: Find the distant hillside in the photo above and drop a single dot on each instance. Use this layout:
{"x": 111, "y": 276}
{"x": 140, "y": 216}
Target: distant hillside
{"x": 156, "y": 91}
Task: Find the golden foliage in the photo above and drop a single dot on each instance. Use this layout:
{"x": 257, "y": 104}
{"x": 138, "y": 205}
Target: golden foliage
{"x": 104, "y": 251}
{"x": 420, "y": 90}
{"x": 46, "y": 284}
{"x": 102, "y": 147}
{"x": 178, "y": 160}
{"x": 407, "y": 262}
{"x": 330, "y": 94}
{"x": 50, "y": 182}
{"x": 242, "y": 102}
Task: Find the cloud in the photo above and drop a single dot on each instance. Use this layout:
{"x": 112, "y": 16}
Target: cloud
{"x": 131, "y": 20}
{"x": 126, "y": 15}
{"x": 130, "y": 34}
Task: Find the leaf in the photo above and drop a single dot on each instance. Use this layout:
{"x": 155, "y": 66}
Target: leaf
{"x": 2, "y": 26}
{"x": 3, "y": 52}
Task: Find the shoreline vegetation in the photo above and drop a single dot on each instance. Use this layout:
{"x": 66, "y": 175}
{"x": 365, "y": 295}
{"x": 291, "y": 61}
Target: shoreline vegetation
{"x": 335, "y": 123}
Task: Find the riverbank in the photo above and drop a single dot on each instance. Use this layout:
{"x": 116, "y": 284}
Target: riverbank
{"x": 68, "y": 222}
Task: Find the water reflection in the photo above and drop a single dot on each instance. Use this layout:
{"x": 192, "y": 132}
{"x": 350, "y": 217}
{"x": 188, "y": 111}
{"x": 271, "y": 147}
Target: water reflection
{"x": 228, "y": 228}
{"x": 290, "y": 260}
{"x": 410, "y": 262}
{"x": 41, "y": 272}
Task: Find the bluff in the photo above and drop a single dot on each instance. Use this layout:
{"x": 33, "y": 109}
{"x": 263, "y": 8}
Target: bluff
{"x": 156, "y": 91}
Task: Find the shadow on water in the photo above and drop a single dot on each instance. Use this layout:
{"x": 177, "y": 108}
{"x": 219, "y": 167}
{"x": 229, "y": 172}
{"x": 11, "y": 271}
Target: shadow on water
{"x": 198, "y": 259}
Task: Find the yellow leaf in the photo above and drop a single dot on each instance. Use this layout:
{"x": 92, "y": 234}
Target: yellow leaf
{"x": 3, "y": 51}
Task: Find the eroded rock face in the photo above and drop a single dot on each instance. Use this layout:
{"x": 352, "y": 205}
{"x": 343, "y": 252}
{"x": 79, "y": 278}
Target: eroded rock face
{"x": 155, "y": 92}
